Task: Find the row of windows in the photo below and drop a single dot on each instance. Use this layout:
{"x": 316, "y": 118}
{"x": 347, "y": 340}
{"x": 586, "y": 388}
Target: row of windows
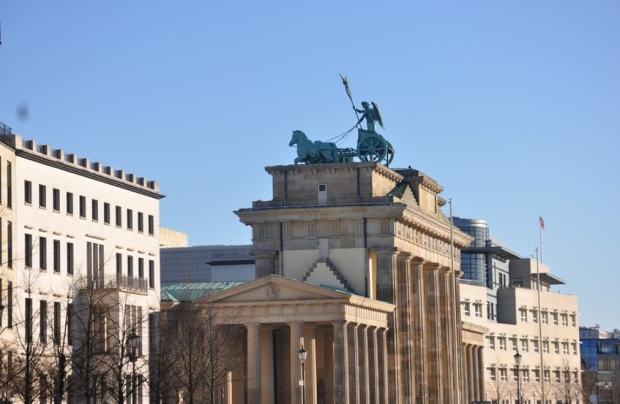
{"x": 525, "y": 345}
{"x": 130, "y": 268}
{"x": 43, "y": 255}
{"x": 557, "y": 374}
{"x": 555, "y": 317}
{"x": 94, "y": 208}
{"x": 9, "y": 243}
{"x": 56, "y": 327}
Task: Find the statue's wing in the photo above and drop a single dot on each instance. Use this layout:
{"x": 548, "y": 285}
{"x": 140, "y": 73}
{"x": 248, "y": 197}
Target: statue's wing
{"x": 377, "y": 113}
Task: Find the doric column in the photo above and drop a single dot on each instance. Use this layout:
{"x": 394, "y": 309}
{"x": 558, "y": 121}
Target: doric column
{"x": 385, "y": 391}
{"x": 405, "y": 341}
{"x": 375, "y": 364}
{"x": 266, "y": 365}
{"x": 310, "y": 367}
{"x": 474, "y": 355}
{"x": 295, "y": 345}
{"x": 253, "y": 363}
{"x": 364, "y": 365}
{"x": 387, "y": 291}
{"x": 471, "y": 372}
{"x": 340, "y": 363}
{"x": 481, "y": 373}
{"x": 446, "y": 327}
{"x": 419, "y": 326}
{"x": 228, "y": 397}
{"x": 354, "y": 385}
{"x": 432, "y": 288}
{"x": 265, "y": 263}
{"x": 464, "y": 377}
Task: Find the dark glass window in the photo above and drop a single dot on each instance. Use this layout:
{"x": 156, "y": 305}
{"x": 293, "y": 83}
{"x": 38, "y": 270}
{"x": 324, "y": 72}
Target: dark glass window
{"x": 56, "y": 255}
{"x": 119, "y": 264}
{"x": 119, "y": 216}
{"x": 42, "y": 196}
{"x": 43, "y": 321}
{"x": 106, "y": 213}
{"x": 82, "y": 206}
{"x": 70, "y": 258}
{"x": 42, "y": 253}
{"x": 141, "y": 268}
{"x": 9, "y": 303}
{"x": 57, "y": 323}
{"x": 151, "y": 225}
{"x": 28, "y": 192}
{"x": 130, "y": 266}
{"x": 69, "y": 203}
{"x": 140, "y": 222}
{"x": 28, "y": 248}
{"x": 151, "y": 274}
{"x": 129, "y": 219}
{"x": 69, "y": 323}
{"x": 28, "y": 320}
{"x": 9, "y": 243}
{"x": 95, "y": 210}
{"x": 56, "y": 199}
{"x": 9, "y": 185}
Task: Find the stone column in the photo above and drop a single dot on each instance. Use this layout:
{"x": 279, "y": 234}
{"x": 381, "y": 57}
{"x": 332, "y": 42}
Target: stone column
{"x": 310, "y": 368}
{"x": 405, "y": 341}
{"x": 364, "y": 365}
{"x": 253, "y": 363}
{"x": 375, "y": 387}
{"x": 471, "y": 372}
{"x": 266, "y": 365}
{"x": 340, "y": 363}
{"x": 419, "y": 327}
{"x": 265, "y": 263}
{"x": 458, "y": 335}
{"x": 385, "y": 394}
{"x": 446, "y": 326}
{"x": 354, "y": 385}
{"x": 465, "y": 380}
{"x": 474, "y": 355}
{"x": 388, "y": 292}
{"x": 481, "y": 373}
{"x": 433, "y": 334}
{"x": 295, "y": 345}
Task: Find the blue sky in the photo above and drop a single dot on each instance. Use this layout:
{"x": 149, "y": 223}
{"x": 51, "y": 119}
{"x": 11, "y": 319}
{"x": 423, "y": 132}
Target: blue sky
{"x": 514, "y": 107}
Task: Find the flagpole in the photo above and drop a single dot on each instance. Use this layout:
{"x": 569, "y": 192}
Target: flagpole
{"x": 540, "y": 341}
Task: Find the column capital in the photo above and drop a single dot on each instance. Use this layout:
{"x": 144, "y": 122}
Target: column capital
{"x": 385, "y": 250}
{"x": 403, "y": 255}
{"x": 417, "y": 260}
{"x": 431, "y": 266}
{"x": 252, "y": 325}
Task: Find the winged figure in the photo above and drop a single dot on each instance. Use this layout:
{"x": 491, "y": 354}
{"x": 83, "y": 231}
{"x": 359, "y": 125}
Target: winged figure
{"x": 370, "y": 114}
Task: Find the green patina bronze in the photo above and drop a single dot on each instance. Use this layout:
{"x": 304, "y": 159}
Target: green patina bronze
{"x": 371, "y": 146}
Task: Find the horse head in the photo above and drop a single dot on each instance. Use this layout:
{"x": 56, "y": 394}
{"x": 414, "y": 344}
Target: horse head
{"x": 297, "y": 136}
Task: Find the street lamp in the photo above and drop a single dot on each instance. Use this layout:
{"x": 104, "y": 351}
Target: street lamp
{"x": 303, "y": 354}
{"x": 133, "y": 341}
{"x": 518, "y": 363}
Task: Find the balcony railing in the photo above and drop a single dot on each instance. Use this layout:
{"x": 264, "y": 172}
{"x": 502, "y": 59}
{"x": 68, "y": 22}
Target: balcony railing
{"x": 121, "y": 282}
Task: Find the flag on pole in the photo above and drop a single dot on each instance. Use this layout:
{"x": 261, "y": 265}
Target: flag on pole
{"x": 541, "y": 222}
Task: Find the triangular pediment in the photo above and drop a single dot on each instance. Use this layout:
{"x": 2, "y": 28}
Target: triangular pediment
{"x": 273, "y": 287}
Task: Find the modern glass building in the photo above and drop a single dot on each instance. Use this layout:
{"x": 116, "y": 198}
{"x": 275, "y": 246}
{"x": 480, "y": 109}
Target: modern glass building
{"x": 600, "y": 361}
{"x": 474, "y": 264}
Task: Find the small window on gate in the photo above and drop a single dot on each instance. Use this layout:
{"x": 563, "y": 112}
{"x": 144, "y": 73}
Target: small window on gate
{"x": 322, "y": 187}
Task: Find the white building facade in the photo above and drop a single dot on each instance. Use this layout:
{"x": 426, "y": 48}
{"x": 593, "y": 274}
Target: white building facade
{"x": 86, "y": 272}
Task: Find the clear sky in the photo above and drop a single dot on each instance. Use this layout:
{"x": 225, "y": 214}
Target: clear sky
{"x": 514, "y": 107}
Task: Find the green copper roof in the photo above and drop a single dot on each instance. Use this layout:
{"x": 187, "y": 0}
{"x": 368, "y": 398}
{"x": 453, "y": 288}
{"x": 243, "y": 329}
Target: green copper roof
{"x": 190, "y": 291}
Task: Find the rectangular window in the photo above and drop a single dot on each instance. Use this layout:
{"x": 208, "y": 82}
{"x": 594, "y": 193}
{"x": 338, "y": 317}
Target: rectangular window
{"x": 27, "y": 192}
{"x": 95, "y": 210}
{"x": 9, "y": 303}
{"x": 119, "y": 216}
{"x": 69, "y": 203}
{"x": 9, "y": 243}
{"x": 129, "y": 219}
{"x": 130, "y": 266}
{"x": 69, "y": 323}
{"x": 140, "y": 222}
{"x": 151, "y": 225}
{"x": 106, "y": 213}
{"x": 70, "y": 258}
{"x": 573, "y": 320}
{"x": 554, "y": 316}
{"x": 535, "y": 345}
{"x": 478, "y": 309}
{"x": 151, "y": 274}
{"x": 56, "y": 255}
{"x": 119, "y": 264}
{"x": 466, "y": 308}
{"x": 57, "y": 323}
{"x": 42, "y": 253}
{"x": 9, "y": 185}
{"x": 28, "y": 320}
{"x": 56, "y": 199}
{"x": 42, "y": 196}
{"x": 82, "y": 206}
{"x": 502, "y": 343}
{"x": 43, "y": 321}
{"x": 141, "y": 268}
{"x": 28, "y": 248}
{"x": 546, "y": 346}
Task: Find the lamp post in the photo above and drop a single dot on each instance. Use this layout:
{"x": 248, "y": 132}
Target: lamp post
{"x": 133, "y": 341}
{"x": 518, "y": 364}
{"x": 303, "y": 354}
